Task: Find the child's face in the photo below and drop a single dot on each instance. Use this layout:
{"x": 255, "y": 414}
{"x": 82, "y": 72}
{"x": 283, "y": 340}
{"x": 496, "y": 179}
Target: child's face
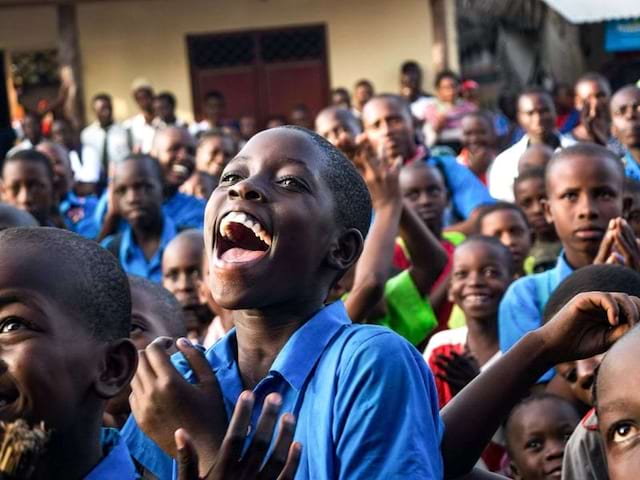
{"x": 591, "y": 92}
{"x": 448, "y": 89}
{"x": 632, "y": 214}
{"x": 509, "y": 227}
{"x": 536, "y": 116}
{"x": 138, "y": 192}
{"x": 335, "y": 129}
{"x": 388, "y": 127}
{"x": 618, "y": 407}
{"x": 28, "y": 186}
{"x": 213, "y": 154}
{"x": 479, "y": 279}
{"x": 536, "y": 156}
{"x": 584, "y": 194}
{"x": 530, "y": 195}
{"x": 270, "y": 224}
{"x": 537, "y": 437}
{"x": 362, "y": 94}
{"x": 148, "y": 319}
{"x": 476, "y": 133}
{"x": 175, "y": 151}
{"x": 424, "y": 190}
{"x": 163, "y": 109}
{"x": 625, "y": 117}
{"x": 181, "y": 273}
{"x": 580, "y": 375}
{"x": 49, "y": 363}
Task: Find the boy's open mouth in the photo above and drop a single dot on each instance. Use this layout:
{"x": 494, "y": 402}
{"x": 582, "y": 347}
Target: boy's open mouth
{"x": 8, "y": 394}
{"x": 241, "y": 238}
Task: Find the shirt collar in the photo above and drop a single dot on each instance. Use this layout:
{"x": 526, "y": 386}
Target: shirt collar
{"x": 562, "y": 269}
{"x": 301, "y": 352}
{"x": 117, "y": 461}
{"x": 129, "y": 244}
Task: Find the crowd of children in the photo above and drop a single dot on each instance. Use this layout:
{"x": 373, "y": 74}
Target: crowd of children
{"x": 401, "y": 293}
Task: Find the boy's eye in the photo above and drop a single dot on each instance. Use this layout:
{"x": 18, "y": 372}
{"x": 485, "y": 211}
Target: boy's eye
{"x": 533, "y": 444}
{"x": 491, "y": 272}
{"x": 292, "y": 183}
{"x": 136, "y": 328}
{"x": 459, "y": 275}
{"x": 570, "y": 196}
{"x": 622, "y": 432}
{"x": 571, "y": 376}
{"x": 11, "y": 324}
{"x": 230, "y": 178}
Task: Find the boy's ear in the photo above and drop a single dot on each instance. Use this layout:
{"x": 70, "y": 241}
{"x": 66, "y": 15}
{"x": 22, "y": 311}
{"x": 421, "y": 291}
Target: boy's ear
{"x": 449, "y": 294}
{"x": 547, "y": 210}
{"x": 514, "y": 471}
{"x": 346, "y": 250}
{"x": 117, "y": 369}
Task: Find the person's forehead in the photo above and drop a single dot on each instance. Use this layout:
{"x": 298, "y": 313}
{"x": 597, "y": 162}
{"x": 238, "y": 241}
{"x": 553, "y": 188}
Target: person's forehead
{"x": 575, "y": 166}
{"x": 530, "y": 185}
{"x": 503, "y": 218}
{"x": 627, "y": 96}
{"x": 380, "y": 108}
{"x": 588, "y": 87}
{"x": 183, "y": 253}
{"x": 477, "y": 252}
{"x": 421, "y": 175}
{"x": 475, "y": 122}
{"x": 619, "y": 375}
{"x": 531, "y": 101}
{"x": 24, "y": 168}
{"x": 134, "y": 169}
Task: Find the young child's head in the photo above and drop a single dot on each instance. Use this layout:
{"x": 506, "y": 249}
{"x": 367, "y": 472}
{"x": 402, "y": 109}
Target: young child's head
{"x": 65, "y": 319}
{"x": 61, "y": 166}
{"x": 617, "y": 401}
{"x": 362, "y": 93}
{"x": 137, "y": 186}
{"x": 580, "y": 374}
{"x": 27, "y": 183}
{"x": 592, "y": 89}
{"x": 423, "y": 188}
{"x": 338, "y": 125}
{"x": 388, "y": 124}
{"x": 632, "y": 204}
{"x": 536, "y": 432}
{"x": 508, "y": 223}
{"x": 535, "y": 156}
{"x": 447, "y": 85}
{"x": 478, "y": 131}
{"x": 482, "y": 270}
{"x": 530, "y": 195}
{"x": 340, "y": 98}
{"x": 214, "y": 151}
{"x": 286, "y": 221}
{"x": 625, "y": 121}
{"x": 301, "y": 117}
{"x": 536, "y": 114}
{"x": 155, "y": 312}
{"x": 182, "y": 275}
{"x": 175, "y": 149}
{"x": 584, "y": 185}
{"x": 11, "y": 216}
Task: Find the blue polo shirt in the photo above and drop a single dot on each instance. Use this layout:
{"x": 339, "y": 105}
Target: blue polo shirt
{"x": 466, "y": 190}
{"x": 631, "y": 167}
{"x": 78, "y": 214}
{"x": 117, "y": 463}
{"x": 524, "y": 301}
{"x": 185, "y": 211}
{"x": 132, "y": 257}
{"x": 364, "y": 399}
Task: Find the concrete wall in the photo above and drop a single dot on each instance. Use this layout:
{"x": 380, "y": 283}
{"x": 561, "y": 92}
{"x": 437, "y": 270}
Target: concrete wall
{"x": 121, "y": 41}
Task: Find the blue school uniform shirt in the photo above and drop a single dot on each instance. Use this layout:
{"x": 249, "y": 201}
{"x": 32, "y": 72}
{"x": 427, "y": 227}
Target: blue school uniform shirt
{"x": 78, "y": 214}
{"x": 631, "y": 167}
{"x": 117, "y": 463}
{"x": 466, "y": 190}
{"x": 132, "y": 257}
{"x": 523, "y": 303}
{"x": 364, "y": 400}
{"x": 185, "y": 211}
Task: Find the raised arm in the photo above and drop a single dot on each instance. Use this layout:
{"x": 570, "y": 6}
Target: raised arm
{"x": 586, "y": 326}
{"x": 428, "y": 257}
{"x": 374, "y": 266}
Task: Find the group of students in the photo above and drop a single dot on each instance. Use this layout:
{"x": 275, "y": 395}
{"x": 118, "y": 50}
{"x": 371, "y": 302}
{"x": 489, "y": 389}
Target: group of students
{"x": 344, "y": 303}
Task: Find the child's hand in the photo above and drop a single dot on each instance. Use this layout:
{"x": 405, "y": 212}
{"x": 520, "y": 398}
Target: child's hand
{"x": 163, "y": 401}
{"x": 588, "y": 325}
{"x": 619, "y": 246}
{"x": 459, "y": 370}
{"x": 230, "y": 463}
{"x": 380, "y": 173}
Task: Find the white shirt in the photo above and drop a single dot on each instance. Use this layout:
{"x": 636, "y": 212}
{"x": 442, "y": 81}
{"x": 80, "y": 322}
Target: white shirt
{"x": 117, "y": 140}
{"x": 142, "y": 133}
{"x": 87, "y": 169}
{"x": 23, "y": 145}
{"x": 504, "y": 169}
{"x": 199, "y": 127}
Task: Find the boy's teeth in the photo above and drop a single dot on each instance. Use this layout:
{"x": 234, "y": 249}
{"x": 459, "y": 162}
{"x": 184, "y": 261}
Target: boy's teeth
{"x": 248, "y": 222}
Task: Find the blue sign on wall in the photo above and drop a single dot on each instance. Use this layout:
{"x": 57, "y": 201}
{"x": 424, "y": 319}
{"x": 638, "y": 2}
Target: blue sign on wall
{"x": 622, "y": 35}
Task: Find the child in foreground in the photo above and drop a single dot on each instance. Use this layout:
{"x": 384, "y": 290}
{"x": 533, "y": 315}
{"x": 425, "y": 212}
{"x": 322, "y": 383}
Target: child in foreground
{"x": 310, "y": 210}
{"x": 537, "y": 431}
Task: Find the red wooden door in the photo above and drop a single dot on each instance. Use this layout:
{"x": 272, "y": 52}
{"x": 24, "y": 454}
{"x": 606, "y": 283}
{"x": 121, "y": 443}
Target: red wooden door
{"x": 264, "y": 73}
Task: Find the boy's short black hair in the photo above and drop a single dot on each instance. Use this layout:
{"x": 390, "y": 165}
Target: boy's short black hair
{"x": 151, "y": 161}
{"x": 31, "y": 155}
{"x": 11, "y": 217}
{"x": 495, "y": 244}
{"x": 592, "y": 278}
{"x": 95, "y": 286}
{"x": 530, "y": 173}
{"x": 485, "y": 210}
{"x": 595, "y": 77}
{"x": 101, "y": 96}
{"x": 394, "y": 98}
{"x": 584, "y": 149}
{"x": 171, "y": 309}
{"x": 446, "y": 74}
{"x": 538, "y": 397}
{"x": 214, "y": 94}
{"x": 410, "y": 66}
{"x": 350, "y": 193}
{"x": 168, "y": 97}
{"x": 364, "y": 83}
{"x": 535, "y": 90}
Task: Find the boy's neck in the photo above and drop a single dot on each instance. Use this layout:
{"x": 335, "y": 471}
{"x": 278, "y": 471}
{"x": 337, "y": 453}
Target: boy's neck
{"x": 148, "y": 237}
{"x": 482, "y": 337}
{"x": 262, "y": 334}
{"x": 578, "y": 259}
